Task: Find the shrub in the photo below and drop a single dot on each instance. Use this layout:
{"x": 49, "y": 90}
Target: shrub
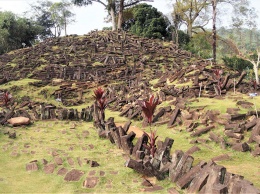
{"x": 236, "y": 64}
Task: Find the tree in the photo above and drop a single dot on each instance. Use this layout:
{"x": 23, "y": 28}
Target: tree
{"x": 52, "y": 17}
{"x": 114, "y": 8}
{"x": 192, "y": 13}
{"x": 61, "y": 16}
{"x": 149, "y": 22}
{"x": 42, "y": 16}
{"x": 240, "y": 8}
{"x": 214, "y": 31}
{"x": 252, "y": 57}
{"x": 15, "y": 31}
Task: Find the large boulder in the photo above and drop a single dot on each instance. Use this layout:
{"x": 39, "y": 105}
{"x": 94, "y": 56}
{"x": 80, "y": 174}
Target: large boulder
{"x": 17, "y": 121}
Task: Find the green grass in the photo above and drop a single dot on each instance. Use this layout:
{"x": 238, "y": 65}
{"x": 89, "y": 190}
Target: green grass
{"x": 45, "y": 136}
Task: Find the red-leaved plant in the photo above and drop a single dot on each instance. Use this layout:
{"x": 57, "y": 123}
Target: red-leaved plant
{"x": 254, "y": 84}
{"x": 151, "y": 142}
{"x": 6, "y": 98}
{"x": 101, "y": 101}
{"x": 218, "y": 75}
{"x": 148, "y": 108}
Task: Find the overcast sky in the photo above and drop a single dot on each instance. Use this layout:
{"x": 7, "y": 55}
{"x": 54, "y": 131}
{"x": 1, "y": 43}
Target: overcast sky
{"x": 92, "y": 17}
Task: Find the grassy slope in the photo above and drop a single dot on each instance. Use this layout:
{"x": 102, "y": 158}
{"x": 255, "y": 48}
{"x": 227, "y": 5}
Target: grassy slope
{"x": 46, "y": 136}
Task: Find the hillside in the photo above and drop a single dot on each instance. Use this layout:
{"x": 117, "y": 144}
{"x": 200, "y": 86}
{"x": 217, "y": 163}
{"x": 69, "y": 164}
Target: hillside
{"x": 205, "y": 109}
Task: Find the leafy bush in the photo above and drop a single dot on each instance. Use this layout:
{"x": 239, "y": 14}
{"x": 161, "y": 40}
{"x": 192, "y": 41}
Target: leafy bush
{"x": 236, "y": 64}
{"x": 200, "y": 45}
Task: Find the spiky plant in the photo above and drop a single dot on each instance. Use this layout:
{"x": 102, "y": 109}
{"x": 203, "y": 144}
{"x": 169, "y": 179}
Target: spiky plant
{"x": 254, "y": 85}
{"x": 99, "y": 96}
{"x": 151, "y": 142}
{"x": 218, "y": 75}
{"x": 148, "y": 108}
{"x": 6, "y": 98}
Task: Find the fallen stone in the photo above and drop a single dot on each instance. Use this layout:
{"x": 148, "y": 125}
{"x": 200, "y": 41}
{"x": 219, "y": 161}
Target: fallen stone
{"x": 102, "y": 173}
{"x": 70, "y": 161}
{"x": 44, "y": 161}
{"x": 62, "y": 171}
{"x": 90, "y": 182}
{"x": 32, "y": 166}
{"x": 92, "y": 172}
{"x": 49, "y": 168}
{"x": 147, "y": 183}
{"x": 73, "y": 175}
{"x": 94, "y": 163}
{"x": 58, "y": 160}
{"x": 17, "y": 121}
{"x": 153, "y": 189}
{"x": 241, "y": 147}
{"x": 172, "y": 190}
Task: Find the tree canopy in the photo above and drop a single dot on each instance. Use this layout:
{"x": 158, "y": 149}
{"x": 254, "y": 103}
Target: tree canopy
{"x": 53, "y": 17}
{"x": 115, "y": 8}
{"x": 147, "y": 21}
{"x": 16, "y": 31}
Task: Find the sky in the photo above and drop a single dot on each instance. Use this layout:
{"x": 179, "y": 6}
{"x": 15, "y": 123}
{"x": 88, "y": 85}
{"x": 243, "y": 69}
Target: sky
{"x": 92, "y": 17}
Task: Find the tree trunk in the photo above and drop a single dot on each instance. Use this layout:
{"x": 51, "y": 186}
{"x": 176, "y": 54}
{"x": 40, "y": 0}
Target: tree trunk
{"x": 256, "y": 73}
{"x": 189, "y": 30}
{"x": 189, "y": 27}
{"x": 214, "y": 32}
{"x": 65, "y": 27}
{"x": 112, "y": 10}
{"x": 120, "y": 14}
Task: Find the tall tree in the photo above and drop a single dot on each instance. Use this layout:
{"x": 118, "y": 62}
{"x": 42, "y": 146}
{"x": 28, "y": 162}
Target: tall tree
{"x": 252, "y": 57}
{"x": 62, "y": 16}
{"x": 147, "y": 21}
{"x": 214, "y": 31}
{"x": 42, "y": 16}
{"x": 192, "y": 13}
{"x": 114, "y": 8}
{"x": 240, "y": 7}
{"x": 15, "y": 31}
{"x": 52, "y": 16}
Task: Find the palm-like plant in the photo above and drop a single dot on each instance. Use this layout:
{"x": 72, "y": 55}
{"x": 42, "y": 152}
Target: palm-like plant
{"x": 148, "y": 108}
{"x": 99, "y": 96}
{"x": 6, "y": 98}
{"x": 151, "y": 142}
{"x": 218, "y": 75}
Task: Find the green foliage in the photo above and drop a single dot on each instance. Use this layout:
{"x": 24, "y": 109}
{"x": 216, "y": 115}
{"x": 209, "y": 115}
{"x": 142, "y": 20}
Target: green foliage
{"x": 15, "y": 31}
{"x": 148, "y": 22}
{"x": 200, "y": 45}
{"x": 52, "y": 16}
{"x": 183, "y": 38}
{"x": 237, "y": 64}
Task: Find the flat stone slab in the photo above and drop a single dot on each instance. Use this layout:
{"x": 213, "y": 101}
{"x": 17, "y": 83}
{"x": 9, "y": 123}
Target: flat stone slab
{"x": 90, "y": 182}
{"x": 102, "y": 173}
{"x": 32, "y": 166}
{"x": 73, "y": 175}
{"x": 92, "y": 173}
{"x": 172, "y": 190}
{"x": 62, "y": 171}
{"x": 58, "y": 160}
{"x": 49, "y": 168}
{"x": 70, "y": 161}
{"x": 153, "y": 189}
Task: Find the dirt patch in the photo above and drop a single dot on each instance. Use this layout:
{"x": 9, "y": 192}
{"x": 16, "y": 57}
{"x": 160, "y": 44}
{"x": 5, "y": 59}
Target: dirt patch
{"x": 135, "y": 129}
